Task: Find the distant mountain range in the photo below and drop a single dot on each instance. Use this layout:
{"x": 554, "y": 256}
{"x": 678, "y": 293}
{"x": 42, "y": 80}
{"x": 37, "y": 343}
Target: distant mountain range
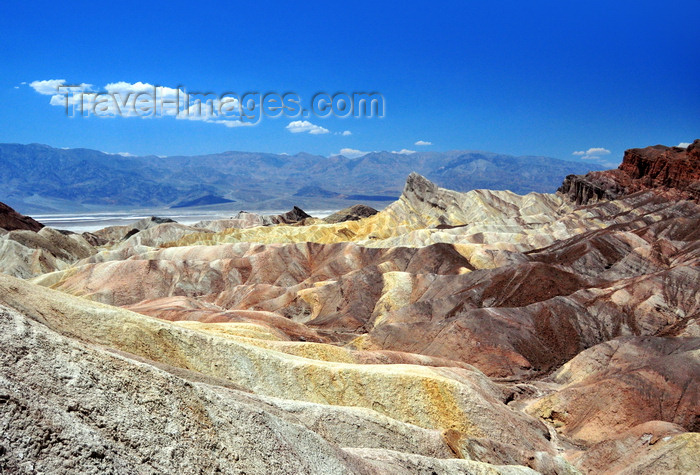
{"x": 38, "y": 178}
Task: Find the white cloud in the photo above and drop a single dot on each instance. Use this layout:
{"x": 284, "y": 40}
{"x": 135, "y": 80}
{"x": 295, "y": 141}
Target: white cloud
{"x": 301, "y": 126}
{"x": 122, "y": 87}
{"x": 683, "y": 145}
{"x": 594, "y": 153}
{"x": 48, "y": 87}
{"x": 354, "y": 153}
{"x": 59, "y": 97}
{"x": 346, "y": 133}
{"x": 423, "y": 143}
{"x": 351, "y": 152}
{"x": 120, "y": 99}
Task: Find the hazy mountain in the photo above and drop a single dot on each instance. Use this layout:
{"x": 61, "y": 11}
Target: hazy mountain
{"x": 36, "y": 178}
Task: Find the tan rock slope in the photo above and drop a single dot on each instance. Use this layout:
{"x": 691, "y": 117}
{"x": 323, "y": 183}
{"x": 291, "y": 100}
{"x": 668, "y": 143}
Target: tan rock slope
{"x": 26, "y": 254}
{"x": 422, "y": 215}
{"x": 28, "y": 249}
{"x": 615, "y": 386}
{"x": 463, "y": 401}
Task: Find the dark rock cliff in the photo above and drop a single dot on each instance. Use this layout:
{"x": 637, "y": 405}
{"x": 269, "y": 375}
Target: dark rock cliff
{"x": 674, "y": 171}
{"x": 11, "y": 220}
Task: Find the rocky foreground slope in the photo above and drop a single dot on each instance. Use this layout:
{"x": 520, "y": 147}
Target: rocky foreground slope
{"x": 28, "y": 249}
{"x": 478, "y": 332}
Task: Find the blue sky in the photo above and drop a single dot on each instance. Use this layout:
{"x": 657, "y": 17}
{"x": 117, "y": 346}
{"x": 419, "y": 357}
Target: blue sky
{"x": 524, "y": 78}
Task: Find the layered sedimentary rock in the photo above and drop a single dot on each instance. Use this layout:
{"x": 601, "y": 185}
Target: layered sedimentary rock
{"x": 543, "y": 305}
{"x": 250, "y": 220}
{"x": 615, "y": 386}
{"x": 648, "y": 449}
{"x": 26, "y": 254}
{"x": 112, "y": 234}
{"x": 425, "y": 214}
{"x": 478, "y": 332}
{"x": 673, "y": 170}
{"x": 71, "y": 407}
{"x": 463, "y": 401}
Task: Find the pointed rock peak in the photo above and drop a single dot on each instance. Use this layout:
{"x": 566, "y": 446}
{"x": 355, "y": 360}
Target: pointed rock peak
{"x": 418, "y": 186}
{"x": 296, "y": 214}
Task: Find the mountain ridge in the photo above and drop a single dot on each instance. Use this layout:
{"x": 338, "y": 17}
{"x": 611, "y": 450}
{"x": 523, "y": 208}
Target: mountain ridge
{"x": 39, "y": 178}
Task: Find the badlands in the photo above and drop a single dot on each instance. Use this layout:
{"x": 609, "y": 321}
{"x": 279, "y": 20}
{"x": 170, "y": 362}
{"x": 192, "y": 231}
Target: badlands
{"x": 450, "y": 333}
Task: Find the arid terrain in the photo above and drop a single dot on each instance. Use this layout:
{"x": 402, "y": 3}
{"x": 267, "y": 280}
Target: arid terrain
{"x": 479, "y": 332}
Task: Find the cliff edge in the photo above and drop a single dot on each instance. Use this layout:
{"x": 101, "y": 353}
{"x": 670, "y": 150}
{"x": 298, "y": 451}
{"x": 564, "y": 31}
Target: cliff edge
{"x": 674, "y": 171}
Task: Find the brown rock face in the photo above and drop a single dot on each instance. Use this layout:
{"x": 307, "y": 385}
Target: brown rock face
{"x": 671, "y": 170}
{"x": 664, "y": 167}
{"x": 353, "y": 213}
{"x": 11, "y": 220}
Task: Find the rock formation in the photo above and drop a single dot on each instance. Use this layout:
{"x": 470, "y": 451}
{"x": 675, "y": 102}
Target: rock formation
{"x": 353, "y": 213}
{"x": 210, "y": 370}
{"x": 617, "y": 385}
{"x": 673, "y": 170}
{"x": 11, "y": 220}
{"x": 244, "y": 220}
{"x": 112, "y": 234}
{"x": 478, "y": 332}
{"x": 28, "y": 249}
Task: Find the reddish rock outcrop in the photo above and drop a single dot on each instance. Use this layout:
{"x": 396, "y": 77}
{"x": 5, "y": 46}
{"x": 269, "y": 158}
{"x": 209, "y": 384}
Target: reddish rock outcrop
{"x": 11, "y": 220}
{"x": 664, "y": 167}
{"x": 617, "y": 385}
{"x": 674, "y": 171}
